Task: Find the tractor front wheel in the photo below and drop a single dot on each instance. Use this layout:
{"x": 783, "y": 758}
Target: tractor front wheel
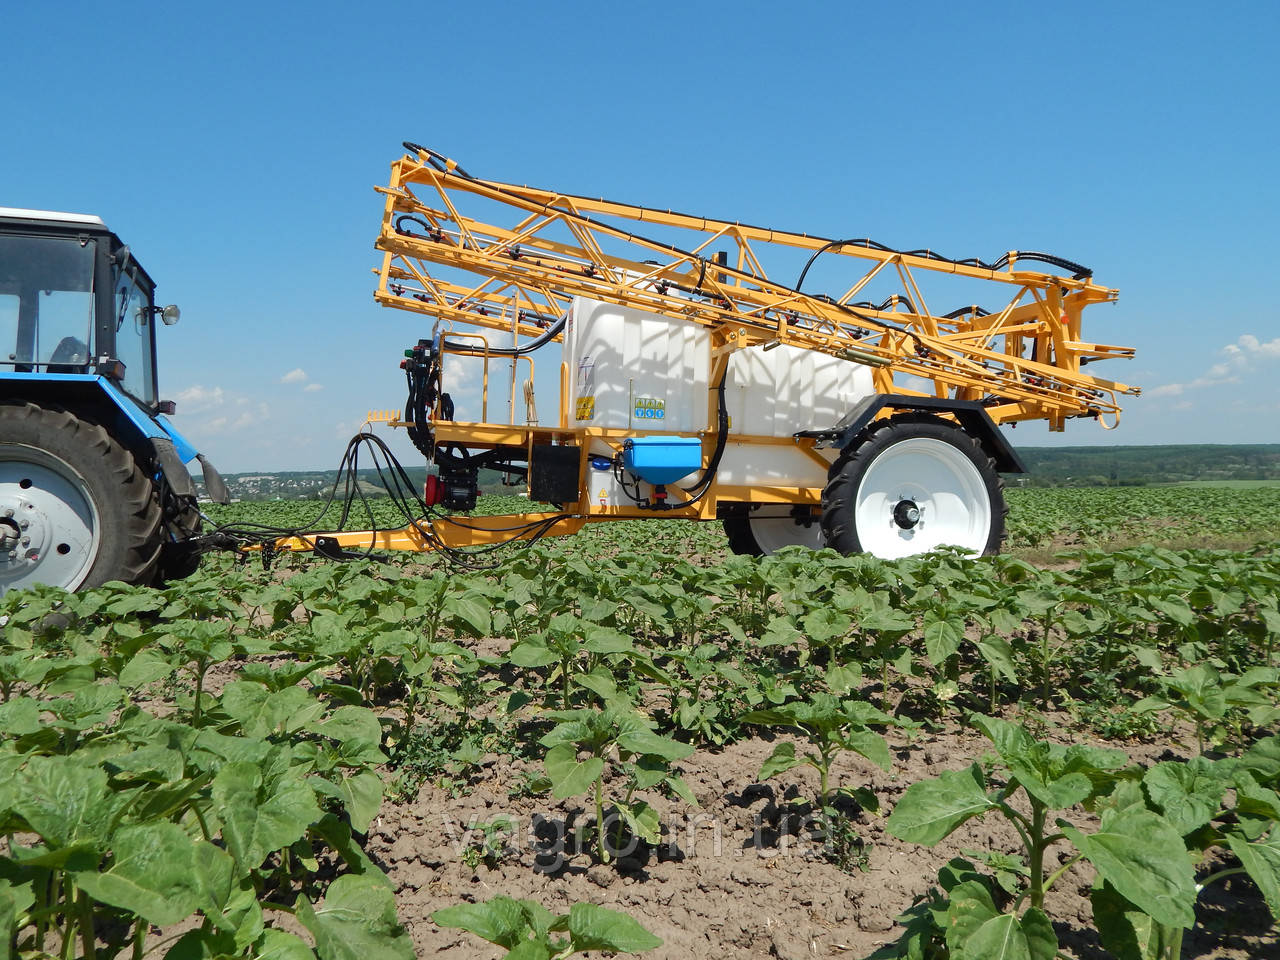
{"x": 910, "y": 484}
{"x": 75, "y": 509}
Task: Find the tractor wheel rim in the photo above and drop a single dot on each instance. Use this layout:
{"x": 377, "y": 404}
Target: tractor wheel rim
{"x": 920, "y": 494}
{"x": 774, "y": 533}
{"x": 48, "y": 522}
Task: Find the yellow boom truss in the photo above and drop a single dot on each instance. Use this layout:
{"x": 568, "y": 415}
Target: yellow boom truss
{"x": 511, "y": 258}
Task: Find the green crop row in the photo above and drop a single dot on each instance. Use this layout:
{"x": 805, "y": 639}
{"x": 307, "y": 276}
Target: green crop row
{"x": 209, "y": 755}
{"x": 1182, "y": 515}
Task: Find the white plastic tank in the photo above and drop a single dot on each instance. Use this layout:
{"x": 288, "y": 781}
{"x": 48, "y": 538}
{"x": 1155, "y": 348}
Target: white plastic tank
{"x": 779, "y": 392}
{"x": 630, "y": 369}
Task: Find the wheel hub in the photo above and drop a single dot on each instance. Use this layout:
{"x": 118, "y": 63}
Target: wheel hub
{"x": 906, "y": 514}
{"x": 10, "y": 534}
{"x": 23, "y": 531}
{"x": 48, "y": 529}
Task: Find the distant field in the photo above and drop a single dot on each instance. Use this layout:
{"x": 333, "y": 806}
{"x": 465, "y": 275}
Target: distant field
{"x": 1225, "y": 514}
{"x": 1229, "y": 484}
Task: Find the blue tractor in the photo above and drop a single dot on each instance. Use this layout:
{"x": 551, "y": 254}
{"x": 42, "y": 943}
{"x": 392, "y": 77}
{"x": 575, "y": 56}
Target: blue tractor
{"x": 93, "y": 477}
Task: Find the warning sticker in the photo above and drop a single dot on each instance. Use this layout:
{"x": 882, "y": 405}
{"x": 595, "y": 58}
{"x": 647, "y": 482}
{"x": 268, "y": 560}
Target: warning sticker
{"x": 585, "y": 408}
{"x": 648, "y": 408}
{"x": 586, "y": 377}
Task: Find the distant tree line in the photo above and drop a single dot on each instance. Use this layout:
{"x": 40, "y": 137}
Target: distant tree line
{"x": 1141, "y": 465}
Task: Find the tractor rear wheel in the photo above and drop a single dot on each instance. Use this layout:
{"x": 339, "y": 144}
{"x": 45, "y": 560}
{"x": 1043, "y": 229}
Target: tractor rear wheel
{"x": 910, "y": 484}
{"x": 761, "y": 536}
{"x": 75, "y": 509}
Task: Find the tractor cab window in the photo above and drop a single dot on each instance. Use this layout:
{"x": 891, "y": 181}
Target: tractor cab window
{"x": 8, "y": 327}
{"x": 135, "y": 321}
{"x": 46, "y": 303}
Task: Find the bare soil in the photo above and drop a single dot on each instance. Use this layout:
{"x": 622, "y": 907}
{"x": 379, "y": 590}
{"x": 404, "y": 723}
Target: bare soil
{"x": 737, "y": 877}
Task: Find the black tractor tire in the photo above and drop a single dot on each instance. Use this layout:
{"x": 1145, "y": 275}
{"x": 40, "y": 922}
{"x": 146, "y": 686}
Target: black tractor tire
{"x": 178, "y": 560}
{"x": 125, "y": 502}
{"x": 741, "y": 540}
{"x": 845, "y": 478}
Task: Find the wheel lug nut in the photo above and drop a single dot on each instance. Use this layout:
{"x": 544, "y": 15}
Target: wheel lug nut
{"x": 26, "y": 541}
{"x": 8, "y": 511}
{"x": 24, "y": 524}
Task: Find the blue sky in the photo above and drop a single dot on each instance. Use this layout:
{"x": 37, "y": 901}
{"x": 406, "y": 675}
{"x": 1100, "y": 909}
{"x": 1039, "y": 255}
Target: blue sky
{"x": 235, "y": 148}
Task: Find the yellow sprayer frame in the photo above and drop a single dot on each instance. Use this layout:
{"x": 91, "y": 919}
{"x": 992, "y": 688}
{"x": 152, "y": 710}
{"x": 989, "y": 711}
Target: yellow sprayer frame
{"x": 1023, "y": 361}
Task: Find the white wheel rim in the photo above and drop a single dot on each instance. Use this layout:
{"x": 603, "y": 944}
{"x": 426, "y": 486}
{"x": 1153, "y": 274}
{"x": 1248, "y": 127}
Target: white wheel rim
{"x": 943, "y": 486}
{"x": 773, "y": 533}
{"x": 49, "y": 530}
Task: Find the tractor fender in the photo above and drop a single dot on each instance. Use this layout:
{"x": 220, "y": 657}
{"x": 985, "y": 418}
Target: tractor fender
{"x": 971, "y": 416}
{"x": 100, "y": 399}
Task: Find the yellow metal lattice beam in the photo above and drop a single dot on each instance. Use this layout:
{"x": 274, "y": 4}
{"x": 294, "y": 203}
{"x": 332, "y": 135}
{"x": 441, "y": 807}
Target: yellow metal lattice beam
{"x": 526, "y": 273}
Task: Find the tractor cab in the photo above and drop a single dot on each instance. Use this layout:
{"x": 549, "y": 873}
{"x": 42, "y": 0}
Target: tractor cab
{"x": 73, "y": 299}
{"x": 88, "y": 460}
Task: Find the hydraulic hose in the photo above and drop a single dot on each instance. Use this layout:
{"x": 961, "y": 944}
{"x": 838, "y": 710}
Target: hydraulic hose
{"x": 541, "y": 340}
{"x": 1079, "y": 271}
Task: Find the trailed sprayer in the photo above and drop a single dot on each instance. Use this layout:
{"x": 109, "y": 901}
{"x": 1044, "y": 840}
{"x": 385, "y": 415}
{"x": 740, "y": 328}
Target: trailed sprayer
{"x": 696, "y": 382}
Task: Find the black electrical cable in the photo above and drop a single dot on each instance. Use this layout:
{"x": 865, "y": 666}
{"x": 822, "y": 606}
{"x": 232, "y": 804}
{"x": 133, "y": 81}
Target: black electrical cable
{"x": 437, "y": 160}
{"x": 254, "y": 533}
{"x": 1079, "y": 271}
{"x": 541, "y": 340}
{"x": 431, "y": 232}
{"x": 888, "y": 304}
{"x": 702, "y": 484}
{"x": 422, "y": 374}
{"x": 621, "y": 477}
{"x": 402, "y": 493}
{"x": 963, "y": 311}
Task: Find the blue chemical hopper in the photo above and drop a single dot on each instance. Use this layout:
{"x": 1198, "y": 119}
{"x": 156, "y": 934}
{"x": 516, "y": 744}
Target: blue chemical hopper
{"x": 662, "y": 460}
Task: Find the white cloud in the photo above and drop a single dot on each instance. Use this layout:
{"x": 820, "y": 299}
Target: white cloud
{"x": 462, "y": 373}
{"x": 919, "y": 384}
{"x": 197, "y": 398}
{"x": 312, "y": 387}
{"x": 1242, "y": 357}
{"x": 296, "y": 375}
{"x": 1270, "y": 349}
{"x": 1177, "y": 389}
{"x": 228, "y": 414}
